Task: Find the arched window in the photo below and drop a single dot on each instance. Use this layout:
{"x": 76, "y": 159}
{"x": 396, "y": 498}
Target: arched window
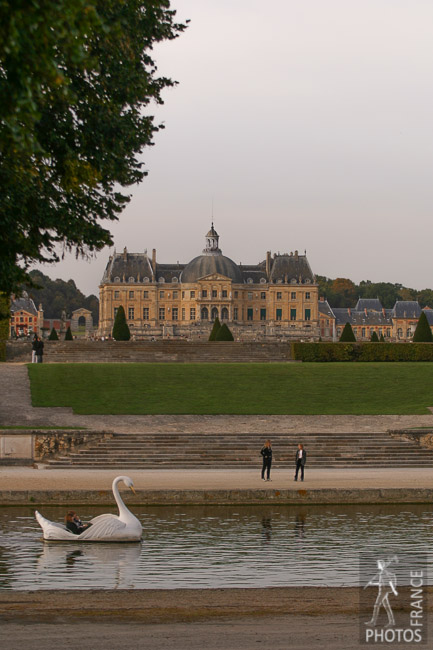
{"x": 224, "y": 313}
{"x": 214, "y": 313}
{"x": 204, "y": 313}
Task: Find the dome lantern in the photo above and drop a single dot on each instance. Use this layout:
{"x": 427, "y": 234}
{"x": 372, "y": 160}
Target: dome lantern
{"x": 212, "y": 239}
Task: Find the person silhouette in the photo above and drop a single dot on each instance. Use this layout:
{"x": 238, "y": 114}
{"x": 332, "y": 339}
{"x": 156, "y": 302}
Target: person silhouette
{"x": 386, "y": 583}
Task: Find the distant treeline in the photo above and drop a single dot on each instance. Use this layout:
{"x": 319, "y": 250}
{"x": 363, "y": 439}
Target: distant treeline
{"x": 57, "y": 296}
{"x": 342, "y": 292}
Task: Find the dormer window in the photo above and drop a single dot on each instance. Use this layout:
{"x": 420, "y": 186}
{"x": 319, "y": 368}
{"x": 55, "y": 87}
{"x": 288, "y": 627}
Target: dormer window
{"x": 116, "y": 279}
{"x": 249, "y": 280}
{"x": 131, "y": 279}
{"x": 161, "y": 279}
{"x": 145, "y": 280}
{"x": 174, "y": 280}
{"x": 262, "y": 280}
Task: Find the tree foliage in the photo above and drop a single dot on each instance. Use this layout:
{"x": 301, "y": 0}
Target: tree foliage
{"x": 374, "y": 338}
{"x": 75, "y": 80}
{"x": 347, "y": 334}
{"x": 423, "y": 333}
{"x": 57, "y": 296}
{"x": 120, "y": 328}
{"x": 224, "y": 334}
{"x": 215, "y": 329}
{"x": 53, "y": 335}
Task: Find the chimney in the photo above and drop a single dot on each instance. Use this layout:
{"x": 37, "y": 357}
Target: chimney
{"x": 268, "y": 264}
{"x": 296, "y": 256}
{"x": 383, "y": 311}
{"x": 125, "y": 254}
{"x": 348, "y": 310}
{"x": 322, "y": 299}
{"x": 154, "y": 261}
{"x": 365, "y": 311}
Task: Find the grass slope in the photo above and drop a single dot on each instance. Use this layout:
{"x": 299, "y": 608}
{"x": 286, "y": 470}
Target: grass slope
{"x": 297, "y": 389}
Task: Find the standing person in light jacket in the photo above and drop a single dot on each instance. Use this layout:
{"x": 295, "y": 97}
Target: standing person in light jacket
{"x": 266, "y": 452}
{"x": 300, "y": 460}
{"x": 34, "y": 348}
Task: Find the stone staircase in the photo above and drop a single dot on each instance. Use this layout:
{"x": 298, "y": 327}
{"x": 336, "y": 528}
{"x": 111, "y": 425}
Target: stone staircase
{"x": 242, "y": 450}
{"x": 167, "y": 350}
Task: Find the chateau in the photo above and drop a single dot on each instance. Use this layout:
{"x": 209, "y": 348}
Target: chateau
{"x": 275, "y": 299}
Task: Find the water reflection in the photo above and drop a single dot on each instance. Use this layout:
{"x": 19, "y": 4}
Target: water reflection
{"x": 210, "y": 546}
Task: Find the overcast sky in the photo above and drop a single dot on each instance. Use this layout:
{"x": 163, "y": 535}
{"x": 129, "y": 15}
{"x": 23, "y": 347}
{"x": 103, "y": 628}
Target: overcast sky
{"x": 308, "y": 123}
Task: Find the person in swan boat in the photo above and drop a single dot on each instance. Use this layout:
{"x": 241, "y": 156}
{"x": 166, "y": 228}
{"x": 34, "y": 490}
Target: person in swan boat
{"x": 74, "y": 523}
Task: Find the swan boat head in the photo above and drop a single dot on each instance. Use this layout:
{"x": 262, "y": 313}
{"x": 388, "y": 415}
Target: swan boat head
{"x": 124, "y": 527}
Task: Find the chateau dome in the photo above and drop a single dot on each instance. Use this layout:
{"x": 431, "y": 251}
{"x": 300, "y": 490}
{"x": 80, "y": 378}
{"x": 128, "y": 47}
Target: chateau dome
{"x": 211, "y": 261}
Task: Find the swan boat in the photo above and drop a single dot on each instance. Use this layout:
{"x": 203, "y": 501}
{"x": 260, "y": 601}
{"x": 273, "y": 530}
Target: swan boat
{"x": 123, "y": 527}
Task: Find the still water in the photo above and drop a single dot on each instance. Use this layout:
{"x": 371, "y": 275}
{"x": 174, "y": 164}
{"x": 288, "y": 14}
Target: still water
{"x": 214, "y": 546}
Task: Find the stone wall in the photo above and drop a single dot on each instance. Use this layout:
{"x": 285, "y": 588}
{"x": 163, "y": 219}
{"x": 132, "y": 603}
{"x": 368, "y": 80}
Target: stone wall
{"x": 27, "y": 446}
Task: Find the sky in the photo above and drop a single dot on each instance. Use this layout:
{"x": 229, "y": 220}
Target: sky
{"x": 296, "y": 124}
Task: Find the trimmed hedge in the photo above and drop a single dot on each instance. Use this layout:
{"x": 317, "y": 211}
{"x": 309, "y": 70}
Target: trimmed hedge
{"x": 4, "y": 327}
{"x": 323, "y": 352}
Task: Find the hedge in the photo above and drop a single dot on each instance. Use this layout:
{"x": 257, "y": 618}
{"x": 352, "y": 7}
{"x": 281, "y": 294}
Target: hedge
{"x": 323, "y": 352}
{"x": 4, "y": 327}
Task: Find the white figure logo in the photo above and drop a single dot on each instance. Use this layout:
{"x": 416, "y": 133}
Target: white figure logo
{"x": 386, "y": 582}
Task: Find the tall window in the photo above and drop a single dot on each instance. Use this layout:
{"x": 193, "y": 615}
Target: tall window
{"x": 235, "y": 313}
{"x": 161, "y": 313}
{"x": 293, "y": 314}
{"x": 145, "y": 294}
{"x": 192, "y": 294}
{"x": 307, "y": 295}
{"x": 279, "y": 295}
{"x": 192, "y": 313}
{"x": 204, "y": 293}
{"x": 250, "y": 313}
{"x": 236, "y": 294}
{"x": 250, "y": 295}
{"x": 131, "y": 294}
{"x": 214, "y": 293}
{"x": 131, "y": 313}
{"x": 293, "y": 295}
{"x": 175, "y": 295}
{"x": 279, "y": 314}
{"x": 308, "y": 314}
{"x": 174, "y": 313}
{"x": 263, "y": 314}
{"x": 145, "y": 313}
{"x": 183, "y": 313}
{"x": 116, "y": 309}
{"x": 224, "y": 293}
{"x": 263, "y": 295}
{"x": 161, "y": 294}
{"x": 116, "y": 295}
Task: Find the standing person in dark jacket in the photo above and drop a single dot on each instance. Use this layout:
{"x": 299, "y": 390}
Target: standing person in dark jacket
{"x": 300, "y": 459}
{"x": 267, "y": 460}
{"x": 39, "y": 350}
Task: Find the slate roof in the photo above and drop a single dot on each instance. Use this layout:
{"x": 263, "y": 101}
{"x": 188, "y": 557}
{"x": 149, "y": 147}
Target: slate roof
{"x": 326, "y": 309}
{"x": 429, "y": 314}
{"x": 170, "y": 272}
{"x": 128, "y": 265}
{"x": 406, "y": 309}
{"x": 289, "y": 268}
{"x": 203, "y": 265}
{"x": 24, "y": 303}
{"x": 344, "y": 315}
{"x": 256, "y": 272}
{"x": 368, "y": 303}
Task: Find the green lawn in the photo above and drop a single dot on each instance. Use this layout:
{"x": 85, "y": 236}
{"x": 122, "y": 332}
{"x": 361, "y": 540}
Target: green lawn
{"x": 297, "y": 389}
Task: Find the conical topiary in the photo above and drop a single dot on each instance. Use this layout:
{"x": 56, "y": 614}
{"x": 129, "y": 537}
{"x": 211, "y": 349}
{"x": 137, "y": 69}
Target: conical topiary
{"x": 68, "y": 335}
{"x": 347, "y": 335}
{"x": 423, "y": 332}
{"x": 381, "y": 339}
{"x": 224, "y": 334}
{"x": 215, "y": 329}
{"x": 374, "y": 338}
{"x": 120, "y": 328}
{"x": 53, "y": 335}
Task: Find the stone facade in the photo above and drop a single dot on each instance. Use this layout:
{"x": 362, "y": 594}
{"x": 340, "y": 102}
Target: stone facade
{"x": 277, "y": 298}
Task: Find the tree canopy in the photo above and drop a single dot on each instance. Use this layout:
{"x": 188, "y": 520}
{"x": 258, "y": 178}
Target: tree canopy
{"x": 75, "y": 80}
{"x": 58, "y": 295}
